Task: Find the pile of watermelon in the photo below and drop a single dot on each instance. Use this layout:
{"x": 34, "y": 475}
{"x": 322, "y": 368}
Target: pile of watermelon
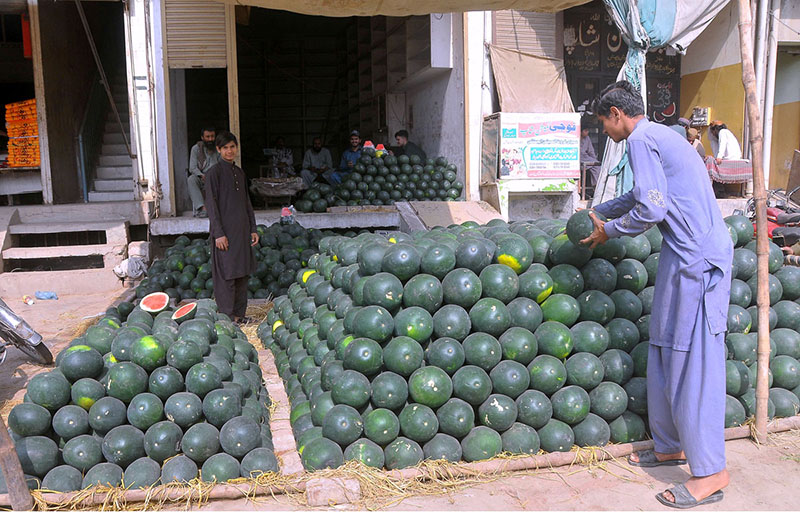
{"x": 468, "y": 341}
{"x": 382, "y": 180}
{"x": 185, "y": 271}
{"x": 147, "y": 396}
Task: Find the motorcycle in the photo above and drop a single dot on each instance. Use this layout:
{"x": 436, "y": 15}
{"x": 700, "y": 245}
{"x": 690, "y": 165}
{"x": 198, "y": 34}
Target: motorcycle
{"x": 783, "y": 216}
{"x": 14, "y": 330}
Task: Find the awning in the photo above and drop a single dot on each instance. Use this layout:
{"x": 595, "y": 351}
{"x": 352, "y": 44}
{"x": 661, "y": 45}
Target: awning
{"x": 344, "y": 8}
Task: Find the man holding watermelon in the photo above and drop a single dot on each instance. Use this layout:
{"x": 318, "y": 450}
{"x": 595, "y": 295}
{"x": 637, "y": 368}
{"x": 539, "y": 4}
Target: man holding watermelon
{"x": 686, "y": 362}
{"x": 232, "y": 226}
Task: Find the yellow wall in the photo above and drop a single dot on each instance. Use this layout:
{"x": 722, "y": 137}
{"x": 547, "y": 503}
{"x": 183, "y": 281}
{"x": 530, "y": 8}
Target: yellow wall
{"x": 786, "y": 118}
{"x": 785, "y": 139}
{"x": 722, "y": 90}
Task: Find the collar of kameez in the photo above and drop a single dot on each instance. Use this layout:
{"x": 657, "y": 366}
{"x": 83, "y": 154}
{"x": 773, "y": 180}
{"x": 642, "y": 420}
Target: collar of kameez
{"x": 641, "y": 124}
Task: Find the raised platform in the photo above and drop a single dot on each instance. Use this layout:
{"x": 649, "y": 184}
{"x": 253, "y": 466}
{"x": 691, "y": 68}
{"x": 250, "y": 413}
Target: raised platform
{"x": 20, "y": 181}
{"x": 135, "y": 212}
{"x": 166, "y": 226}
{"x": 440, "y": 213}
{"x": 405, "y": 216}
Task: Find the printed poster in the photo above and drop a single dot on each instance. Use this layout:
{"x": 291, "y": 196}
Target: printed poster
{"x": 539, "y": 145}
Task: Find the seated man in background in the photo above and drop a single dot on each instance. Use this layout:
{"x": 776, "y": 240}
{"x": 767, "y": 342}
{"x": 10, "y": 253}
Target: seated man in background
{"x": 203, "y": 157}
{"x": 724, "y": 143}
{"x": 588, "y": 158}
{"x": 350, "y": 157}
{"x": 693, "y": 136}
{"x": 317, "y": 162}
{"x": 406, "y": 147}
{"x": 283, "y": 160}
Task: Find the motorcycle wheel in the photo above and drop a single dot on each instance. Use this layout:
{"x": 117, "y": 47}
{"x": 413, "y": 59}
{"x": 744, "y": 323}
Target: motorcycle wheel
{"x": 39, "y": 354}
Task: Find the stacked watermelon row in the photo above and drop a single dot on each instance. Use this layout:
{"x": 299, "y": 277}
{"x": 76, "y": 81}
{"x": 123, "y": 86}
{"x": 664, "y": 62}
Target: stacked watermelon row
{"x": 146, "y": 401}
{"x": 185, "y": 271}
{"x": 382, "y": 179}
{"x": 467, "y": 341}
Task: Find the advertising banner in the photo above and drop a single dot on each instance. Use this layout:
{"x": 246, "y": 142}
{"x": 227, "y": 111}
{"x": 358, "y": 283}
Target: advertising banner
{"x": 539, "y": 145}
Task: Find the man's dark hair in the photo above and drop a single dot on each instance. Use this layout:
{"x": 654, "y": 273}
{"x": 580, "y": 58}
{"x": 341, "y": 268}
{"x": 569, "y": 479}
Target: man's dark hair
{"x": 316, "y": 138}
{"x": 207, "y": 129}
{"x": 718, "y": 128}
{"x": 224, "y": 138}
{"x": 402, "y": 133}
{"x": 621, "y": 95}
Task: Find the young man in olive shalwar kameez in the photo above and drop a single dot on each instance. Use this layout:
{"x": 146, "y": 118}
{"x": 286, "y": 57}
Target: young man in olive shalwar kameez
{"x": 232, "y": 226}
{"x": 686, "y": 360}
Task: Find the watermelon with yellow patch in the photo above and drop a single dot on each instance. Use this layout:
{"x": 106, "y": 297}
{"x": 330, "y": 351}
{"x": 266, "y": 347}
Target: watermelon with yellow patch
{"x": 514, "y": 252}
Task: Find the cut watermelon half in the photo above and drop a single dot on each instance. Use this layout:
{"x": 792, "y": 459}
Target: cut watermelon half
{"x": 155, "y": 303}
{"x": 185, "y": 312}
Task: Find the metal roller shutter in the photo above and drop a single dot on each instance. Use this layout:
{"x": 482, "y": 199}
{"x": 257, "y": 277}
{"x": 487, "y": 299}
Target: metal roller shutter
{"x": 195, "y": 34}
{"x": 13, "y": 6}
{"x": 526, "y": 31}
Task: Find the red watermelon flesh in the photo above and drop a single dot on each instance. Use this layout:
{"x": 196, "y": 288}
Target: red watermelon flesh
{"x": 155, "y": 302}
{"x": 185, "y": 312}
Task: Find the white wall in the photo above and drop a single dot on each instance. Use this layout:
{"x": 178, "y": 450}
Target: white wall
{"x": 162, "y": 132}
{"x": 479, "y": 76}
{"x": 435, "y": 109}
{"x": 146, "y": 73}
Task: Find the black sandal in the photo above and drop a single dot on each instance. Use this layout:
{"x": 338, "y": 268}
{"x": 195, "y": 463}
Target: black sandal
{"x": 648, "y": 459}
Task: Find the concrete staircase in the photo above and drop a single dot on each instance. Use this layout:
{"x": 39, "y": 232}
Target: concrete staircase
{"x": 69, "y": 255}
{"x": 113, "y": 180}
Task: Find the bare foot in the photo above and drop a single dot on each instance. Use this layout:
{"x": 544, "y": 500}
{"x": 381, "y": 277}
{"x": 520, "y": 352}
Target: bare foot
{"x": 703, "y": 487}
{"x": 634, "y": 457}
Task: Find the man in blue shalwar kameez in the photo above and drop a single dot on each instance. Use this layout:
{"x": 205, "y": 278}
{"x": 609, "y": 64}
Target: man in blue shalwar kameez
{"x": 686, "y": 361}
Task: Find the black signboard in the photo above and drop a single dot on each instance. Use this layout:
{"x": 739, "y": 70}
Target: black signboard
{"x": 582, "y": 40}
{"x": 594, "y": 52}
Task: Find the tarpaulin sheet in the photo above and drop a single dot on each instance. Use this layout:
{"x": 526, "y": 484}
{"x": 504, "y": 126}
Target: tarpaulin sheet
{"x": 647, "y": 25}
{"x": 529, "y": 83}
{"x": 344, "y": 8}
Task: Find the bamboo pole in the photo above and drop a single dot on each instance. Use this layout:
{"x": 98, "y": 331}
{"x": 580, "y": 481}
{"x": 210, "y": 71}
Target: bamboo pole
{"x": 759, "y": 196}
{"x": 19, "y": 497}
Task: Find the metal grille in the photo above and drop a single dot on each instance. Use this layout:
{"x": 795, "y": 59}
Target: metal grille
{"x": 195, "y": 34}
{"x": 526, "y": 31}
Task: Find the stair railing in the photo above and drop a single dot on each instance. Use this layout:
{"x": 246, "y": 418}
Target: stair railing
{"x": 90, "y": 135}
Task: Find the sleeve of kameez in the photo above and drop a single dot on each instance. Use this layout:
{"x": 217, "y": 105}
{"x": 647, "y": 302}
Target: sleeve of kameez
{"x": 251, "y": 215}
{"x": 328, "y": 159}
{"x": 617, "y": 206}
{"x": 193, "y": 167}
{"x": 212, "y": 205}
{"x": 343, "y": 162}
{"x": 649, "y": 193}
{"x": 591, "y": 153}
{"x": 307, "y": 160}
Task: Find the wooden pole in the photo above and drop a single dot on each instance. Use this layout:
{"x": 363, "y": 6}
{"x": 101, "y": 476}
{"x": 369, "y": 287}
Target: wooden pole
{"x": 760, "y": 198}
{"x": 18, "y": 493}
